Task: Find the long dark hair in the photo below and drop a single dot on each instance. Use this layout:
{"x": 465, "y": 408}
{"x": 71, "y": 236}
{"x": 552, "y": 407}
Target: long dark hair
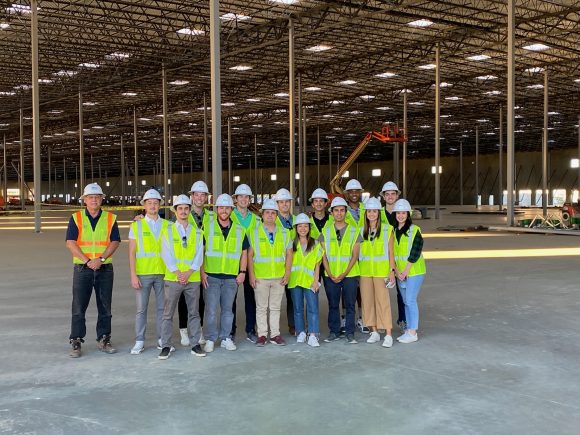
{"x": 367, "y": 227}
{"x": 309, "y": 244}
{"x": 406, "y": 225}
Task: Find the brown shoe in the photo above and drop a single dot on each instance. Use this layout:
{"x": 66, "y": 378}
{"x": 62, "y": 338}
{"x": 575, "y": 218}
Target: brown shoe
{"x": 261, "y": 341}
{"x": 75, "y": 352}
{"x": 278, "y": 340}
{"x": 104, "y": 345}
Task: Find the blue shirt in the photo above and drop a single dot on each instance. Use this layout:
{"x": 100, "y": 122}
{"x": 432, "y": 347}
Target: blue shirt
{"x": 72, "y": 232}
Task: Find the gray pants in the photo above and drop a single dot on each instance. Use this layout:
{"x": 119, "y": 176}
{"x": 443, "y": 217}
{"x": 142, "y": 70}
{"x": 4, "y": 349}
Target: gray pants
{"x": 173, "y": 291}
{"x": 219, "y": 293}
{"x": 148, "y": 282}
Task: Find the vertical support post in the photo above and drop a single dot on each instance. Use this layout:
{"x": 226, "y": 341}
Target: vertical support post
{"x": 437, "y": 130}
{"x": 304, "y": 176}
{"x": 460, "y": 173}
{"x": 170, "y": 180}
{"x": 37, "y": 174}
{"x": 276, "y": 165}
{"x": 64, "y": 187}
{"x": 216, "y": 105}
{"x": 205, "y": 142}
{"x": 92, "y": 170}
{"x": 6, "y": 175}
{"x": 22, "y": 183}
{"x": 230, "y": 175}
{"x": 81, "y": 141}
{"x": 300, "y": 160}
{"x": 500, "y": 172}
{"x": 317, "y": 156}
{"x": 165, "y": 138}
{"x": 329, "y": 161}
{"x": 123, "y": 182}
{"x": 578, "y": 182}
{"x": 405, "y": 145}
{"x": 545, "y": 150}
{"x": 49, "y": 173}
{"x": 510, "y": 112}
{"x": 477, "y": 166}
{"x": 291, "y": 108}
{"x": 135, "y": 151}
{"x": 255, "y": 166}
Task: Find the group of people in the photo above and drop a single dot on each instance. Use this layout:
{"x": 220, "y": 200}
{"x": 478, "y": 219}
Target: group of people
{"x": 195, "y": 264}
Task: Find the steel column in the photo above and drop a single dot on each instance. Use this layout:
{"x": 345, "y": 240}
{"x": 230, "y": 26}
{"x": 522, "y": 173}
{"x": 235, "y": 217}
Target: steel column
{"x": 216, "y": 105}
{"x": 510, "y": 111}
{"x": 135, "y": 152}
{"x": 291, "y": 105}
{"x": 123, "y": 199}
{"x": 21, "y": 169}
{"x": 230, "y": 175}
{"x": 255, "y": 192}
{"x": 81, "y": 141}
{"x": 300, "y": 161}
{"x": 205, "y": 143}
{"x": 303, "y": 176}
{"x": 276, "y": 165}
{"x": 437, "y": 130}
{"x": 6, "y": 175}
{"x": 460, "y": 173}
{"x": 500, "y": 172}
{"x": 405, "y": 145}
{"x": 165, "y": 137}
{"x": 37, "y": 174}
{"x": 477, "y": 166}
{"x": 545, "y": 150}
{"x": 317, "y": 156}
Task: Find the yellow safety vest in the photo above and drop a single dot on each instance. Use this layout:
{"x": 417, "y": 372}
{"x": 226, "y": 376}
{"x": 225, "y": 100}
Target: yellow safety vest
{"x": 339, "y": 255}
{"x": 94, "y": 243}
{"x": 148, "y": 259}
{"x": 183, "y": 255}
{"x": 314, "y": 231}
{"x": 402, "y": 250}
{"x": 303, "y": 266}
{"x": 373, "y": 260}
{"x": 206, "y": 215}
{"x": 222, "y": 256}
{"x": 384, "y": 218}
{"x": 291, "y": 230}
{"x": 349, "y": 219}
{"x": 269, "y": 259}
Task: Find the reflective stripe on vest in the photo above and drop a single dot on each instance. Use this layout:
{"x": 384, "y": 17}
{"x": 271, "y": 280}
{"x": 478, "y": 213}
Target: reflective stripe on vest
{"x": 302, "y": 272}
{"x": 374, "y": 255}
{"x": 183, "y": 255}
{"x": 204, "y": 219}
{"x": 417, "y": 268}
{"x": 269, "y": 259}
{"x": 349, "y": 219}
{"x": 148, "y": 259}
{"x": 93, "y": 243}
{"x": 225, "y": 257}
{"x": 339, "y": 255}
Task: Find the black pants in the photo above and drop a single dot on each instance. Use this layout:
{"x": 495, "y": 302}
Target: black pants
{"x": 400, "y": 306}
{"x": 183, "y": 313}
{"x": 249, "y": 307}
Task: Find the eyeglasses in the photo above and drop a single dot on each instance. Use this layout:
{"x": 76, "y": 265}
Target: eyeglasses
{"x": 184, "y": 241}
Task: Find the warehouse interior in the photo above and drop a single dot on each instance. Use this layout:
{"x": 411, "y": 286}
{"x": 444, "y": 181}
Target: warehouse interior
{"x": 281, "y": 93}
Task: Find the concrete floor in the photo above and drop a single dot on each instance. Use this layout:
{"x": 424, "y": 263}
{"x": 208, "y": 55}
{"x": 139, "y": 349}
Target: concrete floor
{"x": 498, "y": 354}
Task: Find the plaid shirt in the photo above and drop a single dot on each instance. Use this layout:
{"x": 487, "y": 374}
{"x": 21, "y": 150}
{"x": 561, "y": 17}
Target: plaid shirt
{"x": 417, "y": 247}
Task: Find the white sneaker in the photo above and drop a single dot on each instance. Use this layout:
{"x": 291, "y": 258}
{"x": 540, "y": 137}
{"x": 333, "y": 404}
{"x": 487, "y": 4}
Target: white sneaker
{"x": 138, "y": 348}
{"x": 184, "y": 337}
{"x": 313, "y": 341}
{"x": 388, "y": 341}
{"x": 172, "y": 349}
{"x": 402, "y": 335}
{"x": 208, "y": 346}
{"x": 201, "y": 339}
{"x": 301, "y": 337}
{"x": 228, "y": 344}
{"x": 375, "y": 337}
{"x": 409, "y": 338}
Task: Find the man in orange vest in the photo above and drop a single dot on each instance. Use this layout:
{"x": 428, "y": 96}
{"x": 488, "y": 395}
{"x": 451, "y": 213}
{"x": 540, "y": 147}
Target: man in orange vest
{"x": 92, "y": 237}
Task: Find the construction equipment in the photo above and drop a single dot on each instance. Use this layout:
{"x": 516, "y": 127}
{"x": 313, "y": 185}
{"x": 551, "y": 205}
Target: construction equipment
{"x": 389, "y": 133}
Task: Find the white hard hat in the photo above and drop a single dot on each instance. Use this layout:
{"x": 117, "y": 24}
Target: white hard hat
{"x": 269, "y": 204}
{"x": 319, "y": 193}
{"x": 301, "y": 219}
{"x": 93, "y": 189}
{"x": 372, "y": 204}
{"x": 199, "y": 186}
{"x": 181, "y": 200}
{"x": 243, "y": 189}
{"x": 402, "y": 205}
{"x": 337, "y": 201}
{"x": 283, "y": 195}
{"x": 390, "y": 186}
{"x": 353, "y": 185}
{"x": 224, "y": 200}
{"x": 152, "y": 194}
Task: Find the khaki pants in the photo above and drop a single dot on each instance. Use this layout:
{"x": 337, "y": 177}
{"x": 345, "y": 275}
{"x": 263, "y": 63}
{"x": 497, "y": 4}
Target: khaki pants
{"x": 269, "y": 294}
{"x": 376, "y": 304}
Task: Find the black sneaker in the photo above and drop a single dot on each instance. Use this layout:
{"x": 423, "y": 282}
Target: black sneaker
{"x": 252, "y": 337}
{"x": 197, "y": 350}
{"x": 75, "y": 352}
{"x": 331, "y": 337}
{"x": 165, "y": 352}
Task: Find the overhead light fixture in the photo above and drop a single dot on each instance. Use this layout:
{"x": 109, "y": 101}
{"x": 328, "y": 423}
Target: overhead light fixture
{"x": 577, "y": 80}
{"x": 376, "y": 172}
{"x": 384, "y": 108}
{"x": 183, "y": 112}
{"x": 228, "y": 104}
{"x": 98, "y": 127}
{"x": 88, "y": 65}
{"x": 191, "y": 32}
{"x": 252, "y": 100}
{"x": 355, "y": 112}
{"x": 281, "y": 94}
{"x": 179, "y": 82}
{"x": 320, "y": 47}
{"x": 492, "y": 93}
{"x": 537, "y": 86}
{"x": 16, "y": 8}
{"x": 4, "y": 26}
{"x": 129, "y": 94}
{"x": 89, "y": 103}
{"x": 483, "y": 120}
{"x": 453, "y": 98}
{"x": 23, "y": 87}
{"x": 553, "y": 113}
{"x": 328, "y": 115}
{"x": 445, "y": 116}
{"x": 422, "y": 22}
{"x": 425, "y": 126}
{"x": 45, "y": 81}
{"x": 427, "y": 66}
{"x": 536, "y": 47}
{"x": 534, "y": 70}
{"x": 64, "y": 73}
{"x": 406, "y": 91}
{"x": 118, "y": 55}
{"x": 241, "y": 68}
{"x": 55, "y": 112}
{"x": 416, "y": 103}
{"x": 336, "y": 102}
{"x": 367, "y": 97}
{"x": 230, "y": 16}
{"x": 312, "y": 88}
{"x": 386, "y": 75}
{"x": 347, "y": 82}
{"x": 284, "y": 2}
{"x": 479, "y": 57}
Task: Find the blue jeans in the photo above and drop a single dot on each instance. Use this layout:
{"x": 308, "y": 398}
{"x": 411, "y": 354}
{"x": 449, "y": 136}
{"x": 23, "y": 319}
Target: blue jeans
{"x": 410, "y": 289}
{"x": 84, "y": 280}
{"x": 148, "y": 282}
{"x": 347, "y": 288}
{"x": 298, "y": 295}
{"x": 219, "y": 293}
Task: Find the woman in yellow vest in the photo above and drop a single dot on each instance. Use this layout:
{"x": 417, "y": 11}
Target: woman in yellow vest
{"x": 305, "y": 280}
{"x": 410, "y": 266}
{"x": 376, "y": 263}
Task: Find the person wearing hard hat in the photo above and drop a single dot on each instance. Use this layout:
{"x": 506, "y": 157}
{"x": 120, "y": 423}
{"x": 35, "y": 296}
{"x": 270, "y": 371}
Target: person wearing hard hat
{"x": 92, "y": 237}
{"x": 286, "y": 220}
{"x": 377, "y": 265}
{"x": 341, "y": 244}
{"x": 319, "y": 217}
{"x": 243, "y": 216}
{"x": 224, "y": 268}
{"x": 304, "y": 281}
{"x": 182, "y": 253}
{"x": 269, "y": 262}
{"x": 146, "y": 266}
{"x": 409, "y": 266}
{"x": 390, "y": 194}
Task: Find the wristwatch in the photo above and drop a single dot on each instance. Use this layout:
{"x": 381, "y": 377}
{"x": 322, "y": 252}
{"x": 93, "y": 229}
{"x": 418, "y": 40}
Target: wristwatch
{"x": 102, "y": 259}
